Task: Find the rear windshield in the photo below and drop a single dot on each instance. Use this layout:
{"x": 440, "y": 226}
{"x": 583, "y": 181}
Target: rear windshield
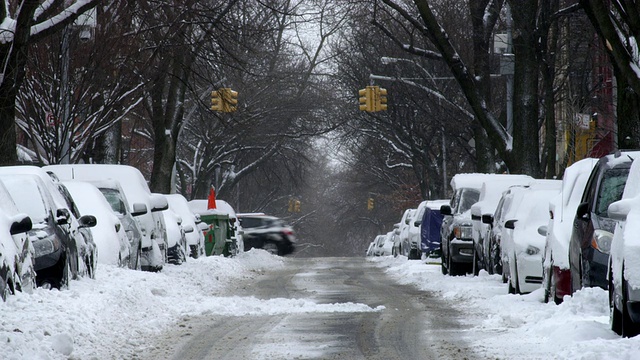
{"x": 468, "y": 197}
{"x": 114, "y": 200}
{"x": 611, "y": 189}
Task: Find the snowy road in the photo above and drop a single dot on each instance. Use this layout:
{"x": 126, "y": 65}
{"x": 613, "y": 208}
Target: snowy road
{"x": 409, "y": 324}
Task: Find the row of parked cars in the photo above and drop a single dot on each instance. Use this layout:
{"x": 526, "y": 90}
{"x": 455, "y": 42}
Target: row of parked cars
{"x": 561, "y": 235}
{"x": 60, "y": 221}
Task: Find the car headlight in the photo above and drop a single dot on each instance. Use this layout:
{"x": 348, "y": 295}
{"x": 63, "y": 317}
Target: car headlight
{"x": 532, "y": 250}
{"x": 602, "y": 241}
{"x": 45, "y": 246}
{"x": 463, "y": 231}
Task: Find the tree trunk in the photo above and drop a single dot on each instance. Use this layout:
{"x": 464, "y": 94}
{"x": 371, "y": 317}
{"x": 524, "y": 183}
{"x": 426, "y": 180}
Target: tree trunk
{"x": 628, "y": 114}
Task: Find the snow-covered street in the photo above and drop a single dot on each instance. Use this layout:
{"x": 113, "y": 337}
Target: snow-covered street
{"x": 122, "y": 314}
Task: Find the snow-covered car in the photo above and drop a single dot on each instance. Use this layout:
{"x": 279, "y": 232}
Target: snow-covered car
{"x": 136, "y": 189}
{"x": 115, "y": 197}
{"x": 16, "y": 251}
{"x": 370, "y": 248}
{"x": 190, "y": 220}
{"x": 108, "y": 234}
{"x": 56, "y": 257}
{"x": 430, "y": 225}
{"x": 378, "y": 242}
{"x": 591, "y": 237}
{"x": 521, "y": 244}
{"x": 84, "y": 263}
{"x": 490, "y": 194}
{"x": 413, "y": 230}
{"x": 624, "y": 265}
{"x": 456, "y": 233}
{"x": 403, "y": 233}
{"x": 176, "y": 237}
{"x": 556, "y": 278}
{"x": 385, "y": 244}
{"x": 267, "y": 232}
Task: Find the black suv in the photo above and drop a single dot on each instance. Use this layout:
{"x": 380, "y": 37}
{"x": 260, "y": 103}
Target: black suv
{"x": 592, "y": 228}
{"x": 456, "y": 232}
{"x": 267, "y": 232}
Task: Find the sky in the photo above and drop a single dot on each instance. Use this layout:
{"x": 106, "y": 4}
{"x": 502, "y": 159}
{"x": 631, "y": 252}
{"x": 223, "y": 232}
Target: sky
{"x": 109, "y": 317}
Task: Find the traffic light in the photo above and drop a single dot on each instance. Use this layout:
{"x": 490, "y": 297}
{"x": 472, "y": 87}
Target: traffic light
{"x": 296, "y": 206}
{"x": 230, "y": 100}
{"x": 381, "y": 99}
{"x": 216, "y": 101}
{"x": 366, "y": 99}
{"x": 370, "y": 204}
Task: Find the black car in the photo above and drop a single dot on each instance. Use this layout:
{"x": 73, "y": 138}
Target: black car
{"x": 267, "y": 232}
{"x": 592, "y": 228}
{"x": 456, "y": 232}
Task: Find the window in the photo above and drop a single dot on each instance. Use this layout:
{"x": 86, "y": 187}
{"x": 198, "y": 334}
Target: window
{"x": 611, "y": 189}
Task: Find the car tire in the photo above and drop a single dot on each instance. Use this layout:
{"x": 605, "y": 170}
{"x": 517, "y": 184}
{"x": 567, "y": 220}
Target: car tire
{"x": 546, "y": 282}
{"x": 615, "y": 316}
{"x": 476, "y": 265}
{"x": 271, "y": 248}
{"x": 65, "y": 272}
{"x": 138, "y": 263}
{"x": 5, "y": 282}
{"x": 413, "y": 254}
{"x": 444, "y": 269}
{"x": 629, "y": 328}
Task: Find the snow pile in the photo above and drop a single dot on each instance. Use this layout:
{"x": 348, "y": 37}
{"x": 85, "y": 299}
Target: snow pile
{"x": 521, "y": 326}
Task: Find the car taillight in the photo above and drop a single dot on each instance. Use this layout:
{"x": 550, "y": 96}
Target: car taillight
{"x": 288, "y": 232}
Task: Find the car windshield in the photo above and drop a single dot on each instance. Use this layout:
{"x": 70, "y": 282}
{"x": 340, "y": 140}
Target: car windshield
{"x": 27, "y": 197}
{"x": 611, "y": 188}
{"x": 113, "y": 198}
{"x": 468, "y": 197}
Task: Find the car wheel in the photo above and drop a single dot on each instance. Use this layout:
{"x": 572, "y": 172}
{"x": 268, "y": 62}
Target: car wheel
{"x": 629, "y": 328}
{"x": 270, "y": 247}
{"x": 138, "y": 263}
{"x": 546, "y": 282}
{"x": 615, "y": 316}
{"x": 65, "y": 273}
{"x": 413, "y": 254}
{"x": 476, "y": 266}
{"x": 5, "y": 282}
{"x": 444, "y": 269}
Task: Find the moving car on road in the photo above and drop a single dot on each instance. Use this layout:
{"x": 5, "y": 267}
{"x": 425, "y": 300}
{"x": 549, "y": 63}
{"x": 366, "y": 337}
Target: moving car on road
{"x": 267, "y": 232}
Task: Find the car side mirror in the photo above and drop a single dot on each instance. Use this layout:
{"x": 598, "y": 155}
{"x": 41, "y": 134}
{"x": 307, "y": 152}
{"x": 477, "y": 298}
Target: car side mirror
{"x": 510, "y": 224}
{"x": 417, "y": 223}
{"x": 582, "y": 212}
{"x": 21, "y": 224}
{"x": 158, "y": 203}
{"x": 543, "y": 230}
{"x": 87, "y": 221}
{"x": 188, "y": 229}
{"x": 139, "y": 209}
{"x": 487, "y": 219}
{"x": 62, "y": 216}
{"x": 446, "y": 210}
{"x": 619, "y": 210}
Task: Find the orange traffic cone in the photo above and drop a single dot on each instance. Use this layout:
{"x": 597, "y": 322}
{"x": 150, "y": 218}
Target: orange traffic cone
{"x": 211, "y": 203}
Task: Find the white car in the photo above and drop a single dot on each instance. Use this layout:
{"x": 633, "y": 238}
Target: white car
{"x": 403, "y": 229}
{"x": 108, "y": 234}
{"x": 490, "y": 194}
{"x": 414, "y": 229}
{"x": 562, "y": 210}
{"x": 624, "y": 267}
{"x": 176, "y": 237}
{"x": 17, "y": 271}
{"x": 521, "y": 244}
{"x": 190, "y": 221}
{"x": 151, "y": 223}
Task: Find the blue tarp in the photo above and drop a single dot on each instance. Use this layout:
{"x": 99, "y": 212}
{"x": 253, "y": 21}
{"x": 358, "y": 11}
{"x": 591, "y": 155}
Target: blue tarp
{"x": 430, "y": 233}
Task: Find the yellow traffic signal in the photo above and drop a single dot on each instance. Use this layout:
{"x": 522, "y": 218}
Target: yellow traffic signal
{"x": 216, "y": 101}
{"x": 230, "y": 100}
{"x": 381, "y": 99}
{"x": 370, "y": 204}
{"x": 366, "y": 99}
{"x": 296, "y": 206}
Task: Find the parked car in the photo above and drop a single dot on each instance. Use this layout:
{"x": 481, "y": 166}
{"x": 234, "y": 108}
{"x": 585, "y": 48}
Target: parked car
{"x": 370, "y": 248}
{"x": 490, "y": 194}
{"x": 267, "y": 232}
{"x": 591, "y": 238}
{"x": 387, "y": 244}
{"x": 108, "y": 234}
{"x": 55, "y": 250}
{"x": 17, "y": 271}
{"x": 84, "y": 261}
{"x": 456, "y": 231}
{"x": 115, "y": 197}
{"x": 194, "y": 236}
{"x": 176, "y": 237}
{"x": 151, "y": 223}
{"x": 403, "y": 233}
{"x": 413, "y": 230}
{"x": 430, "y": 228}
{"x": 556, "y": 277}
{"x": 521, "y": 244}
{"x": 378, "y": 248}
{"x": 624, "y": 267}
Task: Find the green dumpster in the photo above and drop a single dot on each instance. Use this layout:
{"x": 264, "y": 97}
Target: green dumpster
{"x": 216, "y": 237}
